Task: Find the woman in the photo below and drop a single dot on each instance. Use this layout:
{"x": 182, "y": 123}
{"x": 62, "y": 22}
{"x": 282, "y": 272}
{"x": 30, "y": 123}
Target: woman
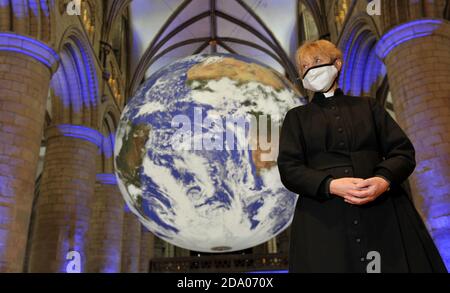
{"x": 346, "y": 158}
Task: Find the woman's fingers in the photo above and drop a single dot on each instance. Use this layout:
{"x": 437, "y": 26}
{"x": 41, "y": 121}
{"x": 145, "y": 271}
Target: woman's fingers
{"x": 356, "y": 201}
{"x": 359, "y": 193}
{"x": 352, "y": 200}
{"x": 363, "y": 184}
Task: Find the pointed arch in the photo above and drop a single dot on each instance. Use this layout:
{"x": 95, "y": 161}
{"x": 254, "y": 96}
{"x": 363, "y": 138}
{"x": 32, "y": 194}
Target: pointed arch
{"x": 75, "y": 83}
{"x": 363, "y": 72}
{"x": 110, "y": 116}
{"x": 317, "y": 11}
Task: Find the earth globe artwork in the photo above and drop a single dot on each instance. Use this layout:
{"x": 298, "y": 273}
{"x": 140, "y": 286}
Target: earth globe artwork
{"x": 195, "y": 153}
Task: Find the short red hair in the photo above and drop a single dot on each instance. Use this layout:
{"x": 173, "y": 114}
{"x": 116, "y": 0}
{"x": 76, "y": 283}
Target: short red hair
{"x": 325, "y": 47}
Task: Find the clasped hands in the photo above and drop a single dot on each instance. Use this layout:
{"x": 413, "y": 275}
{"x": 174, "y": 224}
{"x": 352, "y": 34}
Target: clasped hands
{"x": 358, "y": 191}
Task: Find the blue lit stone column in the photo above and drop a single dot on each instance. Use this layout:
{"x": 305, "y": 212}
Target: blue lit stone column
{"x": 26, "y": 67}
{"x": 417, "y": 58}
{"x": 105, "y": 231}
{"x": 63, "y": 211}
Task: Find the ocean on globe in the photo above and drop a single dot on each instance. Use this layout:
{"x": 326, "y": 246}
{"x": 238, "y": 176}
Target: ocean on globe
{"x": 195, "y": 153}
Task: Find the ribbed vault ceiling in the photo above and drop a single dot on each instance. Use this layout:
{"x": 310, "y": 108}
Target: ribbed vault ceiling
{"x": 165, "y": 30}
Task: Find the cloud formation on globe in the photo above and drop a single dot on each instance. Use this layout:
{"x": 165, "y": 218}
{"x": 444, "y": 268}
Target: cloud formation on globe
{"x": 190, "y": 169}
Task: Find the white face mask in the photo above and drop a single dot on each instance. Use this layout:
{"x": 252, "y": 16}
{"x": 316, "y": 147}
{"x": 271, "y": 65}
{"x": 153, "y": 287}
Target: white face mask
{"x": 320, "y": 78}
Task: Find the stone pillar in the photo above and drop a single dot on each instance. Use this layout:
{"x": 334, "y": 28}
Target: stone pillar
{"x": 105, "y": 229}
{"x": 64, "y": 206}
{"x": 169, "y": 250}
{"x": 131, "y": 242}
{"x": 26, "y": 67}
{"x": 272, "y": 246}
{"x": 417, "y": 58}
{"x": 147, "y": 249}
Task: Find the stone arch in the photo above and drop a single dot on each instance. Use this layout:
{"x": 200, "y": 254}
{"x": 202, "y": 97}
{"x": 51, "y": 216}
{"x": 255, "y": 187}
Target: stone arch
{"x": 75, "y": 84}
{"x": 317, "y": 13}
{"x": 113, "y": 10}
{"x": 401, "y": 11}
{"x": 363, "y": 71}
{"x": 109, "y": 123}
{"x": 307, "y": 23}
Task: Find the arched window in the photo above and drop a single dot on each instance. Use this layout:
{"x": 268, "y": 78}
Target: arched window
{"x": 307, "y": 26}
{"x": 120, "y": 40}
{"x": 114, "y": 82}
{"x": 88, "y": 19}
{"x": 341, "y": 9}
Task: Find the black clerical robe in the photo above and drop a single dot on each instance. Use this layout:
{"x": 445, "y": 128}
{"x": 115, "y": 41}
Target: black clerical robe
{"x": 345, "y": 136}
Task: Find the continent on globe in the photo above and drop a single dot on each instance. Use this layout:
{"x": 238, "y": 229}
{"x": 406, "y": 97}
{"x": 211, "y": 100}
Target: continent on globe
{"x": 223, "y": 198}
{"x": 236, "y": 70}
{"x": 132, "y": 153}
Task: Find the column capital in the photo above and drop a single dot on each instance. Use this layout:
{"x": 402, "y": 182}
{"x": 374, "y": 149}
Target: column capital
{"x": 106, "y": 178}
{"x": 31, "y": 47}
{"x": 75, "y": 131}
{"x": 405, "y": 32}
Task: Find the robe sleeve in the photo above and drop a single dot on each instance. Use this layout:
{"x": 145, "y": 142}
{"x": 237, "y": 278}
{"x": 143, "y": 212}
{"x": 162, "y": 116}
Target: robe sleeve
{"x": 295, "y": 175}
{"x": 398, "y": 151}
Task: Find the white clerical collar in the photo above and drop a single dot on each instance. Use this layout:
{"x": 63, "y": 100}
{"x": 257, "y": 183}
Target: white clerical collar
{"x": 329, "y": 94}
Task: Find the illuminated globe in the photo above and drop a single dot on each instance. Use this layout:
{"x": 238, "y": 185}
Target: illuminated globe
{"x": 191, "y": 171}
